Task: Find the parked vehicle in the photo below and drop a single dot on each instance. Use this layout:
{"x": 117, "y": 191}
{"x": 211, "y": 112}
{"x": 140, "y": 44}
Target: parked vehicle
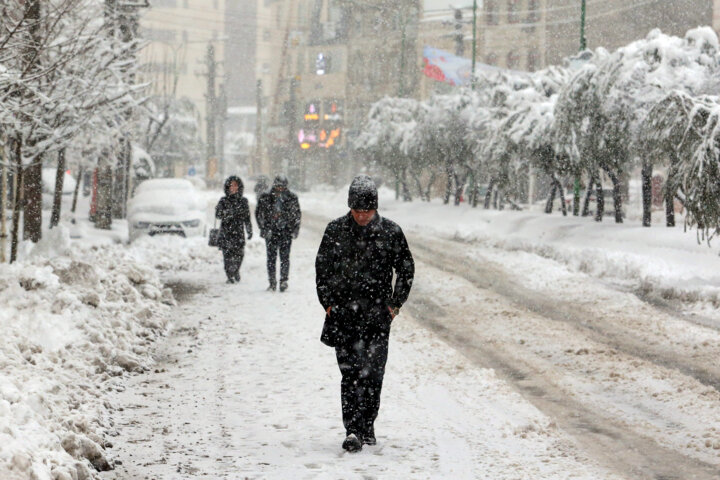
{"x": 166, "y": 206}
{"x": 48, "y": 186}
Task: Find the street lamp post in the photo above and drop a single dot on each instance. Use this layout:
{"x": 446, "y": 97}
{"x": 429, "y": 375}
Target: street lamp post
{"x": 474, "y": 45}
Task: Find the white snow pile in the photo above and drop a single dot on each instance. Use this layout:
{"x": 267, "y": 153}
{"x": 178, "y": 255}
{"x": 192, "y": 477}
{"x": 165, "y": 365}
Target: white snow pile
{"x": 74, "y": 321}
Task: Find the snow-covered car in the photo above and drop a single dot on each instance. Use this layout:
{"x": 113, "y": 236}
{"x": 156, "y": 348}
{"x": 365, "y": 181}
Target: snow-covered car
{"x": 48, "y": 186}
{"x": 166, "y": 206}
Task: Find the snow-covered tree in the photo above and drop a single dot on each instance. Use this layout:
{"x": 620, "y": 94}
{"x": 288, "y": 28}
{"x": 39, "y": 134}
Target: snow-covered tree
{"x": 63, "y": 73}
{"x": 387, "y": 136}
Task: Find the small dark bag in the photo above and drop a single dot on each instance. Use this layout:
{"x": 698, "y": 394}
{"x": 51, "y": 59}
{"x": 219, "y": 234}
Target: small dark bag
{"x": 214, "y": 237}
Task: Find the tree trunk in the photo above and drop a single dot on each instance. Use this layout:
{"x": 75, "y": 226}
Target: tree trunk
{"x": 103, "y": 216}
{"x": 647, "y": 171}
{"x": 551, "y": 199}
{"x": 669, "y": 205}
{"x": 17, "y": 200}
{"x": 561, "y": 191}
{"x": 588, "y": 194}
{"x": 488, "y": 194}
{"x": 448, "y": 187}
{"x": 77, "y": 189}
{"x": 617, "y": 195}
{"x": 576, "y": 196}
{"x": 122, "y": 181}
{"x": 459, "y": 187}
{"x": 407, "y": 196}
{"x": 600, "y": 201}
{"x": 495, "y": 198}
{"x": 32, "y": 201}
{"x": 59, "y": 184}
{"x": 429, "y": 186}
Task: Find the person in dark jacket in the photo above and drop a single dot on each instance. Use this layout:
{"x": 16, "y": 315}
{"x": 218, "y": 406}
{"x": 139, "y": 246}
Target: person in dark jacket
{"x": 234, "y": 214}
{"x": 354, "y": 270}
{"x": 278, "y": 217}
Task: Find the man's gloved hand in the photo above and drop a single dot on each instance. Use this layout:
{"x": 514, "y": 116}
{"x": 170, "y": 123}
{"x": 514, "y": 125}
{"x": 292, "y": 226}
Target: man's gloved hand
{"x": 295, "y": 234}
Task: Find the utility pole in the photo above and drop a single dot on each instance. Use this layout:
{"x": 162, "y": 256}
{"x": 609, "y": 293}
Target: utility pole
{"x": 257, "y": 157}
{"x": 295, "y": 170}
{"x": 210, "y": 113}
{"x": 459, "y": 36}
{"x": 583, "y": 41}
{"x": 3, "y": 201}
{"x": 221, "y": 117}
{"x": 583, "y": 46}
{"x": 473, "y": 81}
{"x": 124, "y": 18}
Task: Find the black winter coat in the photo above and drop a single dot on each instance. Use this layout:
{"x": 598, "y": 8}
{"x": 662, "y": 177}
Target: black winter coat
{"x": 278, "y": 214}
{"x": 234, "y": 213}
{"x": 354, "y": 272}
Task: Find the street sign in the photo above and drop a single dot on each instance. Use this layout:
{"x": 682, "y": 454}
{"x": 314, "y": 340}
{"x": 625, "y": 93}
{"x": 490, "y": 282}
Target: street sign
{"x": 192, "y": 171}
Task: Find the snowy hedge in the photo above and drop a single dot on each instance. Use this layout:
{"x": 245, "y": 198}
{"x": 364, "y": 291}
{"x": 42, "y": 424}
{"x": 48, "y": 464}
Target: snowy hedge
{"x": 648, "y": 103}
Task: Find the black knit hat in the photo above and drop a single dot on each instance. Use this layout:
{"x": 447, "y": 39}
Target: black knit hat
{"x": 280, "y": 181}
{"x": 363, "y": 194}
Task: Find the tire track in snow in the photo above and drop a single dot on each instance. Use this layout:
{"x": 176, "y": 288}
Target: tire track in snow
{"x": 608, "y": 441}
{"x": 486, "y": 276}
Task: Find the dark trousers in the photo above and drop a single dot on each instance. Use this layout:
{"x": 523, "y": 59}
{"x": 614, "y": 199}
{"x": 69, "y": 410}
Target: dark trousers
{"x": 278, "y": 244}
{"x": 362, "y": 366}
{"x": 232, "y": 258}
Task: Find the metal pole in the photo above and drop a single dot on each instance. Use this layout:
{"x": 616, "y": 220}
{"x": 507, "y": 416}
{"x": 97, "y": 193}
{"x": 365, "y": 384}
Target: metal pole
{"x": 473, "y": 82}
{"x": 583, "y": 42}
{"x": 402, "y": 62}
{"x": 257, "y": 160}
{"x": 583, "y": 46}
{"x": 3, "y": 201}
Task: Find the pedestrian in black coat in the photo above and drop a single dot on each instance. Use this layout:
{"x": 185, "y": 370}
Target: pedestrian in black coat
{"x": 354, "y": 277}
{"x": 278, "y": 217}
{"x": 234, "y": 213}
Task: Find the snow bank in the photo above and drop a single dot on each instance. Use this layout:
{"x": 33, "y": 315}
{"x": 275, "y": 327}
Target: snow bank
{"x": 75, "y": 320}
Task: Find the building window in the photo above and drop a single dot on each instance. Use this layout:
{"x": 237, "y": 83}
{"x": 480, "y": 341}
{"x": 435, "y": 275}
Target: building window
{"x": 158, "y": 35}
{"x": 301, "y": 63}
{"x": 512, "y": 11}
{"x": 533, "y": 11}
{"x": 322, "y": 64}
{"x": 512, "y": 60}
{"x": 491, "y": 15}
{"x": 164, "y": 3}
{"x": 533, "y": 60}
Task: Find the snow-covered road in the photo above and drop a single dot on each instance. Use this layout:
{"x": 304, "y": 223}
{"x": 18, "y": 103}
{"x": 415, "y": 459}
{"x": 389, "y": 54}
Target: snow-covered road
{"x": 243, "y": 389}
{"x": 504, "y": 364}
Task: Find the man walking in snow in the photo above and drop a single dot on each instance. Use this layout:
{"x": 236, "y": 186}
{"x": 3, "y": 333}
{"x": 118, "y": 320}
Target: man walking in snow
{"x": 278, "y": 216}
{"x": 354, "y": 271}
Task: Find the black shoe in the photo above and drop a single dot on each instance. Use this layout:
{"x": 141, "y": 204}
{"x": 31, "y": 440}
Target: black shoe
{"x": 283, "y": 286}
{"x": 272, "y": 287}
{"x": 352, "y": 443}
{"x": 368, "y": 438}
{"x": 237, "y": 278}
{"x": 230, "y": 280}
